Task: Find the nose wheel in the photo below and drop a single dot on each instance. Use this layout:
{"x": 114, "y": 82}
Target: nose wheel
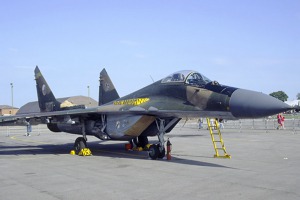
{"x": 155, "y": 152}
{"x": 158, "y": 150}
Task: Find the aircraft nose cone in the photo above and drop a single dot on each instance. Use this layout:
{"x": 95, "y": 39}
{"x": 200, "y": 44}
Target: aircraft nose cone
{"x": 251, "y": 104}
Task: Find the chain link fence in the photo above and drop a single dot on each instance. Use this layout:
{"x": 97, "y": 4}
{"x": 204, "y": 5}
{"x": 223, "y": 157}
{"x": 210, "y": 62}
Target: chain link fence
{"x": 263, "y": 124}
{"x": 267, "y": 124}
{"x": 22, "y": 130}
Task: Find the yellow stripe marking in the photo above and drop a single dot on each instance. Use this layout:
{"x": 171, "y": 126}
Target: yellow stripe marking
{"x": 133, "y": 102}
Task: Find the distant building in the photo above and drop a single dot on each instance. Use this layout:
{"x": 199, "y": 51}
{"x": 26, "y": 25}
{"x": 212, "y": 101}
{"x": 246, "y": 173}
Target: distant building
{"x": 6, "y": 110}
{"x": 65, "y": 102}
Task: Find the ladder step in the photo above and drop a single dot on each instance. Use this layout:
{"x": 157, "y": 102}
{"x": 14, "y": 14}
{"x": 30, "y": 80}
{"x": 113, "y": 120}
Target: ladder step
{"x": 225, "y": 156}
{"x": 214, "y": 130}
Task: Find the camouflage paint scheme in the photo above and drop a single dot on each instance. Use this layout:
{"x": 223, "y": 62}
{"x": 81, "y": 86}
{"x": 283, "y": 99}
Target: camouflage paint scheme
{"x": 149, "y": 111}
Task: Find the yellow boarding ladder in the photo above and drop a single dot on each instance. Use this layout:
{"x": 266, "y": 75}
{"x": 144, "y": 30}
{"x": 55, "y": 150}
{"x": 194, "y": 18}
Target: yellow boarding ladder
{"x": 214, "y": 130}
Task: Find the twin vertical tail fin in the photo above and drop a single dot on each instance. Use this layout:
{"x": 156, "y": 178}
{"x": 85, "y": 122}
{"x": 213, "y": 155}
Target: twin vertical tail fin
{"x": 107, "y": 90}
{"x": 46, "y": 98}
{"x": 48, "y": 102}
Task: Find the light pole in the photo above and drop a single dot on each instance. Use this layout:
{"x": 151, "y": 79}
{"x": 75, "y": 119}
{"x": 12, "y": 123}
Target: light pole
{"x": 88, "y": 87}
{"x": 12, "y": 94}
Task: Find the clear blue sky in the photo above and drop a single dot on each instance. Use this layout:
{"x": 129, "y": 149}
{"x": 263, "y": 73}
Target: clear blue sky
{"x": 251, "y": 44}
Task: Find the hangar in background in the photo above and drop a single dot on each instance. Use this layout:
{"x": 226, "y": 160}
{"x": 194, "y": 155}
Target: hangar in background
{"x": 6, "y": 110}
{"x": 65, "y": 102}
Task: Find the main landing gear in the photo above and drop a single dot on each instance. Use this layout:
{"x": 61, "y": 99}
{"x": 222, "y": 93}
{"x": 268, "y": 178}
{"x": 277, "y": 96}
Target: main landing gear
{"x": 158, "y": 150}
{"x": 80, "y": 146}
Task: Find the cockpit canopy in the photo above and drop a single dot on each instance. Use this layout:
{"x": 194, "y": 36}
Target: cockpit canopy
{"x": 188, "y": 77}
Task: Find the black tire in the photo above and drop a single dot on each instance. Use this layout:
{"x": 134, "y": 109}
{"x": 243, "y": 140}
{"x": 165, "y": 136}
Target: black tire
{"x": 162, "y": 153}
{"x": 79, "y": 144}
{"x": 153, "y": 152}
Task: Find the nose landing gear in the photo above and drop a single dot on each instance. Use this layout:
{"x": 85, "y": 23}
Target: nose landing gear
{"x": 158, "y": 150}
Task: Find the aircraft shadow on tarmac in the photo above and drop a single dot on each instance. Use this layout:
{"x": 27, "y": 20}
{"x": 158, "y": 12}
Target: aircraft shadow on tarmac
{"x": 186, "y": 135}
{"x": 44, "y": 149}
{"x": 102, "y": 150}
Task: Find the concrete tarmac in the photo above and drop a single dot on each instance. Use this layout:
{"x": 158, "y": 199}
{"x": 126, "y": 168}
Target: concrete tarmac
{"x": 263, "y": 166}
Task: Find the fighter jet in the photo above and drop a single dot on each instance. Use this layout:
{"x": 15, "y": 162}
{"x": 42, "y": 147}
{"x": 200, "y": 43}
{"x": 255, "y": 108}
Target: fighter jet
{"x": 151, "y": 111}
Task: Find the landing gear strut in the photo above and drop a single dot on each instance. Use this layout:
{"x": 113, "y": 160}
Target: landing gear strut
{"x": 158, "y": 150}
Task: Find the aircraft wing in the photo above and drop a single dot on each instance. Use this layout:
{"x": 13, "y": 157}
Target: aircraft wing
{"x": 45, "y": 115}
{"x": 74, "y": 113}
{"x": 112, "y": 110}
